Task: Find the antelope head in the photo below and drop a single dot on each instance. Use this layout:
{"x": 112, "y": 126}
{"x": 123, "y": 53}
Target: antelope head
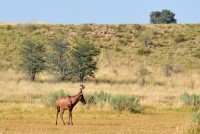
{"x": 81, "y": 87}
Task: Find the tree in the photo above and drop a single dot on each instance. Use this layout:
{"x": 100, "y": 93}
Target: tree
{"x": 32, "y": 58}
{"x": 58, "y": 58}
{"x": 163, "y": 17}
{"x": 84, "y": 63}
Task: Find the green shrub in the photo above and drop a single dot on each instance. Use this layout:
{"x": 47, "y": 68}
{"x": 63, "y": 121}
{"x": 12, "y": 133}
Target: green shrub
{"x": 53, "y": 96}
{"x": 142, "y": 74}
{"x": 179, "y": 38}
{"x": 146, "y": 38}
{"x": 90, "y": 99}
{"x": 97, "y": 99}
{"x": 102, "y": 97}
{"x": 194, "y": 127}
{"x": 196, "y": 117}
{"x": 117, "y": 102}
{"x": 9, "y": 27}
{"x": 168, "y": 68}
{"x": 124, "y": 102}
{"x": 117, "y": 49}
{"x": 196, "y": 53}
{"x": 144, "y": 51}
{"x": 190, "y": 100}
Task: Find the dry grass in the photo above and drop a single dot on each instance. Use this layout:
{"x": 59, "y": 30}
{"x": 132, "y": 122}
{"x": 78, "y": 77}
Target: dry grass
{"x": 166, "y": 95}
{"x": 15, "y": 119}
{"x": 22, "y": 112}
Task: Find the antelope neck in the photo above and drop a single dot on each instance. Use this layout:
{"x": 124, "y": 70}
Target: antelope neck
{"x": 73, "y": 100}
{"x": 70, "y": 100}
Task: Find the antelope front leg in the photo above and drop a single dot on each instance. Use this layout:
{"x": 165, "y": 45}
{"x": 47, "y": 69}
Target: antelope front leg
{"x": 71, "y": 118}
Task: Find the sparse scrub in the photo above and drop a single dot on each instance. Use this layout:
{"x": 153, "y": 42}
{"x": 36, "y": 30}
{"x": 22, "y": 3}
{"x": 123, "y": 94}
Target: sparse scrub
{"x": 53, "y": 96}
{"x": 179, "y": 38}
{"x": 11, "y": 38}
{"x": 146, "y": 38}
{"x": 124, "y": 102}
{"x": 144, "y": 51}
{"x": 194, "y": 126}
{"x": 117, "y": 102}
{"x": 9, "y": 27}
{"x": 142, "y": 74}
{"x": 196, "y": 53}
{"x": 190, "y": 100}
{"x": 196, "y": 117}
{"x": 98, "y": 99}
{"x": 168, "y": 69}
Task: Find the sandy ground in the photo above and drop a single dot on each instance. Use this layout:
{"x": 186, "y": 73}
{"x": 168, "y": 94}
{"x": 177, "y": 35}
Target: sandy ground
{"x": 42, "y": 121}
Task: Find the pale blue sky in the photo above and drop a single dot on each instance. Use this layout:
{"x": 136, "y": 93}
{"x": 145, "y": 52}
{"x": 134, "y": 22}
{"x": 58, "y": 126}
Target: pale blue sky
{"x": 95, "y": 11}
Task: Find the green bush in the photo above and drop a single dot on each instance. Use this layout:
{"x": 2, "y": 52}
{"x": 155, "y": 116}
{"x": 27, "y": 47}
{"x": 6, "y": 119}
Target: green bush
{"x": 194, "y": 127}
{"x": 53, "y": 96}
{"x": 97, "y": 99}
{"x": 179, "y": 38}
{"x": 124, "y": 102}
{"x": 168, "y": 68}
{"x": 102, "y": 96}
{"x": 196, "y": 117}
{"x": 90, "y": 99}
{"x": 117, "y": 102}
{"x": 9, "y": 27}
{"x": 196, "y": 53}
{"x": 144, "y": 51}
{"x": 190, "y": 100}
{"x": 142, "y": 74}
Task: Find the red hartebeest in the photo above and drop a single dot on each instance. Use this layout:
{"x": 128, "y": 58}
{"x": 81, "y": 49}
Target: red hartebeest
{"x": 68, "y": 103}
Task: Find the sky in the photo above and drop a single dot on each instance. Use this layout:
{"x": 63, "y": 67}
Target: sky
{"x": 96, "y": 11}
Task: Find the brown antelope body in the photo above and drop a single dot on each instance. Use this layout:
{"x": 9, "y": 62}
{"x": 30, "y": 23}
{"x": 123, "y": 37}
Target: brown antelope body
{"x": 68, "y": 103}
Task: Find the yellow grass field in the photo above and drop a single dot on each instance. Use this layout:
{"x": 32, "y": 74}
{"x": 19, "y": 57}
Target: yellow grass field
{"x": 22, "y": 112}
{"x": 21, "y": 118}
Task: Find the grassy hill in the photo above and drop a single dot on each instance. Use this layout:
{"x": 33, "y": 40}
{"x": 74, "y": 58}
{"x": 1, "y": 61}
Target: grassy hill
{"x": 165, "y": 57}
{"x": 124, "y": 48}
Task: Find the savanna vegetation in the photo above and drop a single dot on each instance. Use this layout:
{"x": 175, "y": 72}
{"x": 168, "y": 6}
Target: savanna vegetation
{"x": 150, "y": 70}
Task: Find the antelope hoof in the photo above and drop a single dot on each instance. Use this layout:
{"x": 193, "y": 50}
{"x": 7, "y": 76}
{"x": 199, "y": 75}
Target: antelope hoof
{"x": 71, "y": 123}
{"x": 68, "y": 123}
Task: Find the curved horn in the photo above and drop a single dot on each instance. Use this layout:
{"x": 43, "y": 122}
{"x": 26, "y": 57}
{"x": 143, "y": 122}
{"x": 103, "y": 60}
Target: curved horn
{"x": 82, "y": 87}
